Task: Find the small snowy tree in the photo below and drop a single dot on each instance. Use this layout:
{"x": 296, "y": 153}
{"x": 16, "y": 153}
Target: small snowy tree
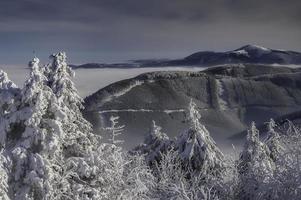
{"x": 273, "y": 140}
{"x": 196, "y": 147}
{"x": 255, "y": 165}
{"x": 155, "y": 144}
{"x": 115, "y": 130}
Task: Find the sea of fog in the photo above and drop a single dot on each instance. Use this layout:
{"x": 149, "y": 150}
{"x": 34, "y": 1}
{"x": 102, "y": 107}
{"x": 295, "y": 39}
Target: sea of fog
{"x": 88, "y": 81}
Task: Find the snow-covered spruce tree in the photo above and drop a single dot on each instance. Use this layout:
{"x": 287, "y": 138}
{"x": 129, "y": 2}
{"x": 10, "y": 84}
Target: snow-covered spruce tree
{"x": 155, "y": 144}
{"x": 196, "y": 147}
{"x": 78, "y": 136}
{"x": 273, "y": 140}
{"x": 9, "y": 101}
{"x": 255, "y": 167}
{"x": 34, "y": 141}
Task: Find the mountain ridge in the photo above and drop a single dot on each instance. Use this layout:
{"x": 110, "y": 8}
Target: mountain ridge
{"x": 229, "y": 97}
{"x": 252, "y": 54}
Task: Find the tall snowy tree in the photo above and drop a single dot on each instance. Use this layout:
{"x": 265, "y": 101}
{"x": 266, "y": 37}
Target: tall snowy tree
{"x": 35, "y": 139}
{"x": 196, "y": 147}
{"x": 155, "y": 144}
{"x": 255, "y": 165}
{"x": 78, "y": 131}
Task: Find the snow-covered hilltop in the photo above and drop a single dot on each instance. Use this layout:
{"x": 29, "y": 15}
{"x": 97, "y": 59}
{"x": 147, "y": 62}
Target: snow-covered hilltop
{"x": 247, "y": 54}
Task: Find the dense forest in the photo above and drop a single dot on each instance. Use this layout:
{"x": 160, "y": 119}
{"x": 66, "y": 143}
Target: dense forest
{"x": 48, "y": 151}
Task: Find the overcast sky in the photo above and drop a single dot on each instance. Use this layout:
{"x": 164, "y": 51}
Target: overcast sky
{"x": 115, "y": 30}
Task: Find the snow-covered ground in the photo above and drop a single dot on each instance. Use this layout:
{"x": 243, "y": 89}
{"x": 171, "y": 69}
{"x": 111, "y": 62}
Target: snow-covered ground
{"x": 89, "y": 81}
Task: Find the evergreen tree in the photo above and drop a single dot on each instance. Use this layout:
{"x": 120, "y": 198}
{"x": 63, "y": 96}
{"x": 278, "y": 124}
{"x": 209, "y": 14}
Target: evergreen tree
{"x": 35, "y": 139}
{"x": 9, "y": 101}
{"x": 155, "y": 144}
{"x": 78, "y": 131}
{"x": 273, "y": 140}
{"x": 255, "y": 165}
{"x": 196, "y": 147}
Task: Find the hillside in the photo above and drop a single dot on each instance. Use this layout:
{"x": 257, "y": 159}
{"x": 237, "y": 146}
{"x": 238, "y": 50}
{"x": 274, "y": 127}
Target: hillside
{"x": 229, "y": 97}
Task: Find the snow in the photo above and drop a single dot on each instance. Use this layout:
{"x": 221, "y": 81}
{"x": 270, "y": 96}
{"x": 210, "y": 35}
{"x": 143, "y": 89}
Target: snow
{"x": 241, "y": 52}
{"x": 197, "y": 148}
{"x": 123, "y": 91}
{"x": 155, "y": 144}
{"x": 257, "y": 47}
{"x": 141, "y": 110}
{"x": 222, "y": 102}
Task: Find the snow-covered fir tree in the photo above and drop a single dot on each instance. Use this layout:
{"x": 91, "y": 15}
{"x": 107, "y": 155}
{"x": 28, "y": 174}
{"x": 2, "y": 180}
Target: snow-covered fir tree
{"x": 78, "y": 136}
{"x": 155, "y": 144}
{"x": 34, "y": 139}
{"x": 196, "y": 147}
{"x": 9, "y": 101}
{"x": 273, "y": 140}
{"x": 255, "y": 165}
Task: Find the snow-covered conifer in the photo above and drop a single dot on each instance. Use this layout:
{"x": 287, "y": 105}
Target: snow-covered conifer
{"x": 9, "y": 94}
{"x": 155, "y": 144}
{"x": 35, "y": 139}
{"x": 196, "y": 147}
{"x": 255, "y": 165}
{"x": 273, "y": 140}
{"x": 78, "y": 131}
{"x": 9, "y": 101}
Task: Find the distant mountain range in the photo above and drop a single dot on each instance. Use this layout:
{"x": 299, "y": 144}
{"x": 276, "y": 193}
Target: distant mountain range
{"x": 247, "y": 54}
{"x": 229, "y": 97}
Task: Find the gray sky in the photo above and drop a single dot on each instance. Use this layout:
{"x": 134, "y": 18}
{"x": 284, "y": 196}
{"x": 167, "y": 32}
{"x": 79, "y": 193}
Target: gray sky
{"x": 111, "y": 30}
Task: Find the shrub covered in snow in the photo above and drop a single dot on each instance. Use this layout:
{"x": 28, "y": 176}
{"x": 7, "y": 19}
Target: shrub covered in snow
{"x": 155, "y": 144}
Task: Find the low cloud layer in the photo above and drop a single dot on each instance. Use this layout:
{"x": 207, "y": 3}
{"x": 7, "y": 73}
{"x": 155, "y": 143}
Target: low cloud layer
{"x": 111, "y": 30}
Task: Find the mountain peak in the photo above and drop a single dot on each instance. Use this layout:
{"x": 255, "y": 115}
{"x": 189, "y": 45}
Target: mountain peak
{"x": 252, "y": 47}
